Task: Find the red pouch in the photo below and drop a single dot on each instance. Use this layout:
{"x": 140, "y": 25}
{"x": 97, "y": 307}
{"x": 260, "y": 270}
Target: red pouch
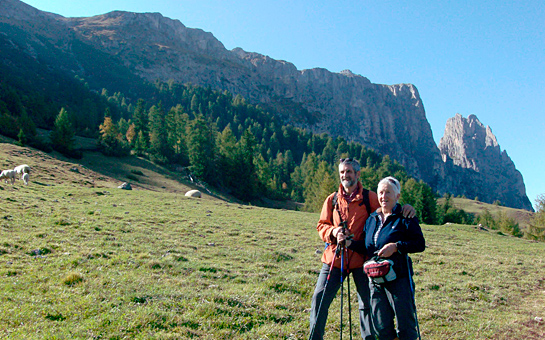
{"x": 379, "y": 270}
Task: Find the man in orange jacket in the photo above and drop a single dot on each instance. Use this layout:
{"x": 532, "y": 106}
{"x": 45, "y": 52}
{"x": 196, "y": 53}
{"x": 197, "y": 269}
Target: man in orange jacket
{"x": 349, "y": 206}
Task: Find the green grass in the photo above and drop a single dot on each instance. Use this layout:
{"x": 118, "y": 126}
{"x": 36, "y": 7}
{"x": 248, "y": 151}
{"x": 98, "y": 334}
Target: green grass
{"x": 112, "y": 264}
{"x": 79, "y": 263}
{"x": 81, "y": 259}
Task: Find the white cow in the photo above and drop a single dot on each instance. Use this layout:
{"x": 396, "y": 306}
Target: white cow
{"x": 8, "y": 175}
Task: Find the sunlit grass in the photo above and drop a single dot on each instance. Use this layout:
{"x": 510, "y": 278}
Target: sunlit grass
{"x": 111, "y": 264}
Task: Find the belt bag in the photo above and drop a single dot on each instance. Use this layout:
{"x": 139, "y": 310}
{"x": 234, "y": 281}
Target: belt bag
{"x": 379, "y": 270}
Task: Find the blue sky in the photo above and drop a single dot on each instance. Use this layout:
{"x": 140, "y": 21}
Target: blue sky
{"x": 479, "y": 57}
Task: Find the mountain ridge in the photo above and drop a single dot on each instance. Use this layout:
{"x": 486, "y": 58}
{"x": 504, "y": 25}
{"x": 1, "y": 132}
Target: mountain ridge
{"x": 388, "y": 118}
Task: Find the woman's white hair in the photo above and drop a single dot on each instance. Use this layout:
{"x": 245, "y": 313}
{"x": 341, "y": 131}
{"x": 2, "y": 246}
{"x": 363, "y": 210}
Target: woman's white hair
{"x": 393, "y": 182}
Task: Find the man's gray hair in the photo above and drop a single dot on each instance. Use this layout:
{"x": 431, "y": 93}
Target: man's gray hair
{"x": 351, "y": 161}
{"x": 393, "y": 182}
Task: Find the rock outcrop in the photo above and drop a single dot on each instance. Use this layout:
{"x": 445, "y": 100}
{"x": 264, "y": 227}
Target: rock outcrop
{"x": 475, "y": 166}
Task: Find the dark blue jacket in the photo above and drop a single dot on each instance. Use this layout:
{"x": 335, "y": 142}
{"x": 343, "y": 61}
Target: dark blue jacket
{"x": 405, "y": 232}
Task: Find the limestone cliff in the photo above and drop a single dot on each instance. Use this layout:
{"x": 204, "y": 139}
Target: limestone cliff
{"x": 475, "y": 166}
{"x": 389, "y": 119}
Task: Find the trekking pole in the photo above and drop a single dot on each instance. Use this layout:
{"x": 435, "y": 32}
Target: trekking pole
{"x": 323, "y": 293}
{"x": 342, "y": 286}
{"x": 413, "y": 293}
{"x": 343, "y": 258}
{"x": 349, "y": 296}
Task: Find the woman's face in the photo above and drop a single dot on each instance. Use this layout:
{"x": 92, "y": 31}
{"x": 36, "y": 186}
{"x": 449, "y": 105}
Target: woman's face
{"x": 387, "y": 197}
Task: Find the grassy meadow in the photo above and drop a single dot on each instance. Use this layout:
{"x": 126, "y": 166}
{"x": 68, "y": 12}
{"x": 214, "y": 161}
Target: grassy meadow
{"x": 81, "y": 259}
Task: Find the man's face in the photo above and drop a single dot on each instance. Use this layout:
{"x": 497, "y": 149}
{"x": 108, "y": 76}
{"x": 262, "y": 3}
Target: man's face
{"x": 348, "y": 177}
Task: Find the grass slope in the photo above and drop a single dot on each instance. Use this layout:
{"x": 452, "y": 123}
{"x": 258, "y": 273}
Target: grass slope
{"x": 521, "y": 216}
{"x": 82, "y": 259}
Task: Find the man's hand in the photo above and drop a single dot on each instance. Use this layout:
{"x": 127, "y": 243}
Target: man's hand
{"x": 343, "y": 238}
{"x": 388, "y": 250}
{"x": 341, "y": 234}
{"x": 408, "y": 211}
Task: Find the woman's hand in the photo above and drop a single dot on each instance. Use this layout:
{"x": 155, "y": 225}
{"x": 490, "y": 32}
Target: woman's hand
{"x": 388, "y": 250}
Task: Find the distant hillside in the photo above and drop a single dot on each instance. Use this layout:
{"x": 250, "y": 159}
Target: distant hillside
{"x": 98, "y": 171}
{"x": 93, "y": 170}
{"x": 522, "y": 216}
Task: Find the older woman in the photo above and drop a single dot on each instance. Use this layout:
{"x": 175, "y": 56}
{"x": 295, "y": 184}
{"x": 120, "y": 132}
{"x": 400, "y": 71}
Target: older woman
{"x": 389, "y": 235}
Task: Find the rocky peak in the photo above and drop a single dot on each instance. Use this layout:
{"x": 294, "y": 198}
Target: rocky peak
{"x": 468, "y": 143}
{"x": 18, "y": 10}
{"x": 477, "y": 166}
{"x": 153, "y": 29}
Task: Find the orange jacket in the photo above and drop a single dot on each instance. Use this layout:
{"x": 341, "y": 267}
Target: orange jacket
{"x": 355, "y": 214}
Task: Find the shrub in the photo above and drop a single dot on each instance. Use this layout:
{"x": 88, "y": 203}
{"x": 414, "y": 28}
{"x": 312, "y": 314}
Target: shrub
{"x": 508, "y": 225}
{"x": 72, "y": 279}
{"x": 487, "y": 220}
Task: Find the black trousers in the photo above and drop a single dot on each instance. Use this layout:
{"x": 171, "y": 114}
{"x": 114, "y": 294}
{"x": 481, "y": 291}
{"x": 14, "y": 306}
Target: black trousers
{"x": 394, "y": 300}
{"x": 319, "y": 320}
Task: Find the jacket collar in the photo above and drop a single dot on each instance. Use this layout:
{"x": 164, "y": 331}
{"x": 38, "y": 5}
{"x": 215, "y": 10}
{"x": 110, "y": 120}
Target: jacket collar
{"x": 396, "y": 211}
{"x": 359, "y": 189}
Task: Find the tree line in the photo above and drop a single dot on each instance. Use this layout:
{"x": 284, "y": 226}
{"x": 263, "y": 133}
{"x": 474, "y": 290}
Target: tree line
{"x": 222, "y": 140}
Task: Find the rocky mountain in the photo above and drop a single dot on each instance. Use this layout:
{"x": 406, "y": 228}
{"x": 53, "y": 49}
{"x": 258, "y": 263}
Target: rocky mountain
{"x": 113, "y": 50}
{"x": 475, "y": 166}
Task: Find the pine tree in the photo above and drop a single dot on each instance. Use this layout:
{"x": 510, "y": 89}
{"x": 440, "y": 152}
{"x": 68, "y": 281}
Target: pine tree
{"x": 202, "y": 150}
{"x": 421, "y": 197}
{"x": 140, "y": 145}
{"x": 21, "y": 138}
{"x": 131, "y": 135}
{"x": 63, "y": 135}
{"x": 324, "y": 184}
{"x": 8, "y": 125}
{"x": 245, "y": 182}
{"x": 123, "y": 126}
{"x": 342, "y": 150}
{"x": 536, "y": 228}
{"x": 227, "y": 147}
{"x": 429, "y": 214}
{"x": 329, "y": 152}
{"x": 158, "y": 133}
{"x": 111, "y": 141}
{"x": 508, "y": 225}
{"x": 177, "y": 122}
{"x": 141, "y": 120}
{"x": 308, "y": 170}
{"x": 264, "y": 177}
{"x": 411, "y": 194}
{"x": 194, "y": 104}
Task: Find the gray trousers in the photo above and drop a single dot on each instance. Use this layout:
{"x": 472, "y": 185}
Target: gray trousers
{"x": 318, "y": 321}
{"x": 394, "y": 300}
